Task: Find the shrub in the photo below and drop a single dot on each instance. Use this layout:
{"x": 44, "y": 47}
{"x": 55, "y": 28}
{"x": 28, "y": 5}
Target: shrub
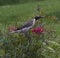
{"x": 19, "y": 46}
{"x": 5, "y": 2}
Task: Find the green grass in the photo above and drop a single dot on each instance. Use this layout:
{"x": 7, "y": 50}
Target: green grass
{"x": 27, "y": 10}
{"x": 10, "y": 14}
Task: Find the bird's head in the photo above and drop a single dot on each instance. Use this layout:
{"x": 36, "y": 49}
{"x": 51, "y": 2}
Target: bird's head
{"x": 38, "y": 17}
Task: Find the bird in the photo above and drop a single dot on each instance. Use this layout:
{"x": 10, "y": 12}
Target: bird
{"x": 27, "y": 26}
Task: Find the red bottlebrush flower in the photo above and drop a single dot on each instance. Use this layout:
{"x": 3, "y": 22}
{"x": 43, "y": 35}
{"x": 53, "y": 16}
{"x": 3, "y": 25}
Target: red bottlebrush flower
{"x": 12, "y": 28}
{"x": 38, "y": 30}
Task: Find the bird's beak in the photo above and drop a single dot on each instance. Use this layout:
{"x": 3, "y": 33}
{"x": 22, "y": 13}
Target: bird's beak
{"x": 42, "y": 16}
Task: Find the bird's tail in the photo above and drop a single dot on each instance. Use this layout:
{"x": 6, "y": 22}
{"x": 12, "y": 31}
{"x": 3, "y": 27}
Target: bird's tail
{"x": 17, "y": 31}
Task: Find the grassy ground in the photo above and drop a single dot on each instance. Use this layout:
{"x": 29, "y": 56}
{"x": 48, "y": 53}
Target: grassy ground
{"x": 10, "y": 14}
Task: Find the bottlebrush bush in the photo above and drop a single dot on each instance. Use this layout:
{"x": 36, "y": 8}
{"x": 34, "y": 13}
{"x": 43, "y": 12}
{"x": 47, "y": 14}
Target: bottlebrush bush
{"x": 36, "y": 45}
{"x": 20, "y": 46}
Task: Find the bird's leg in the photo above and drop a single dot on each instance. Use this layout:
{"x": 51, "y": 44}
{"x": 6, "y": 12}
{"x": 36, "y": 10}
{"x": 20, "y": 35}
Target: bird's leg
{"x": 27, "y": 35}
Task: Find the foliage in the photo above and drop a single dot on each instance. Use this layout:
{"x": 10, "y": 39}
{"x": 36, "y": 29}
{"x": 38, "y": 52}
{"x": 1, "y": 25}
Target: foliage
{"x": 6, "y": 2}
{"x": 33, "y": 46}
{"x": 17, "y": 45}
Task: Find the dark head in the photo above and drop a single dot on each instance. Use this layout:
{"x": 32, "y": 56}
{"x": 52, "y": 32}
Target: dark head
{"x": 38, "y": 17}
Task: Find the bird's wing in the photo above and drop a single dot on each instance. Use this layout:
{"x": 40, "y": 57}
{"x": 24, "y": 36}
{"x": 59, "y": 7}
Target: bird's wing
{"x": 28, "y": 24}
{"x": 25, "y": 27}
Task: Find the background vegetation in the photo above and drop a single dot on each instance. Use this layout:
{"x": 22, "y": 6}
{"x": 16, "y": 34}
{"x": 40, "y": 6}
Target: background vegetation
{"x": 16, "y": 13}
{"x": 5, "y": 2}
